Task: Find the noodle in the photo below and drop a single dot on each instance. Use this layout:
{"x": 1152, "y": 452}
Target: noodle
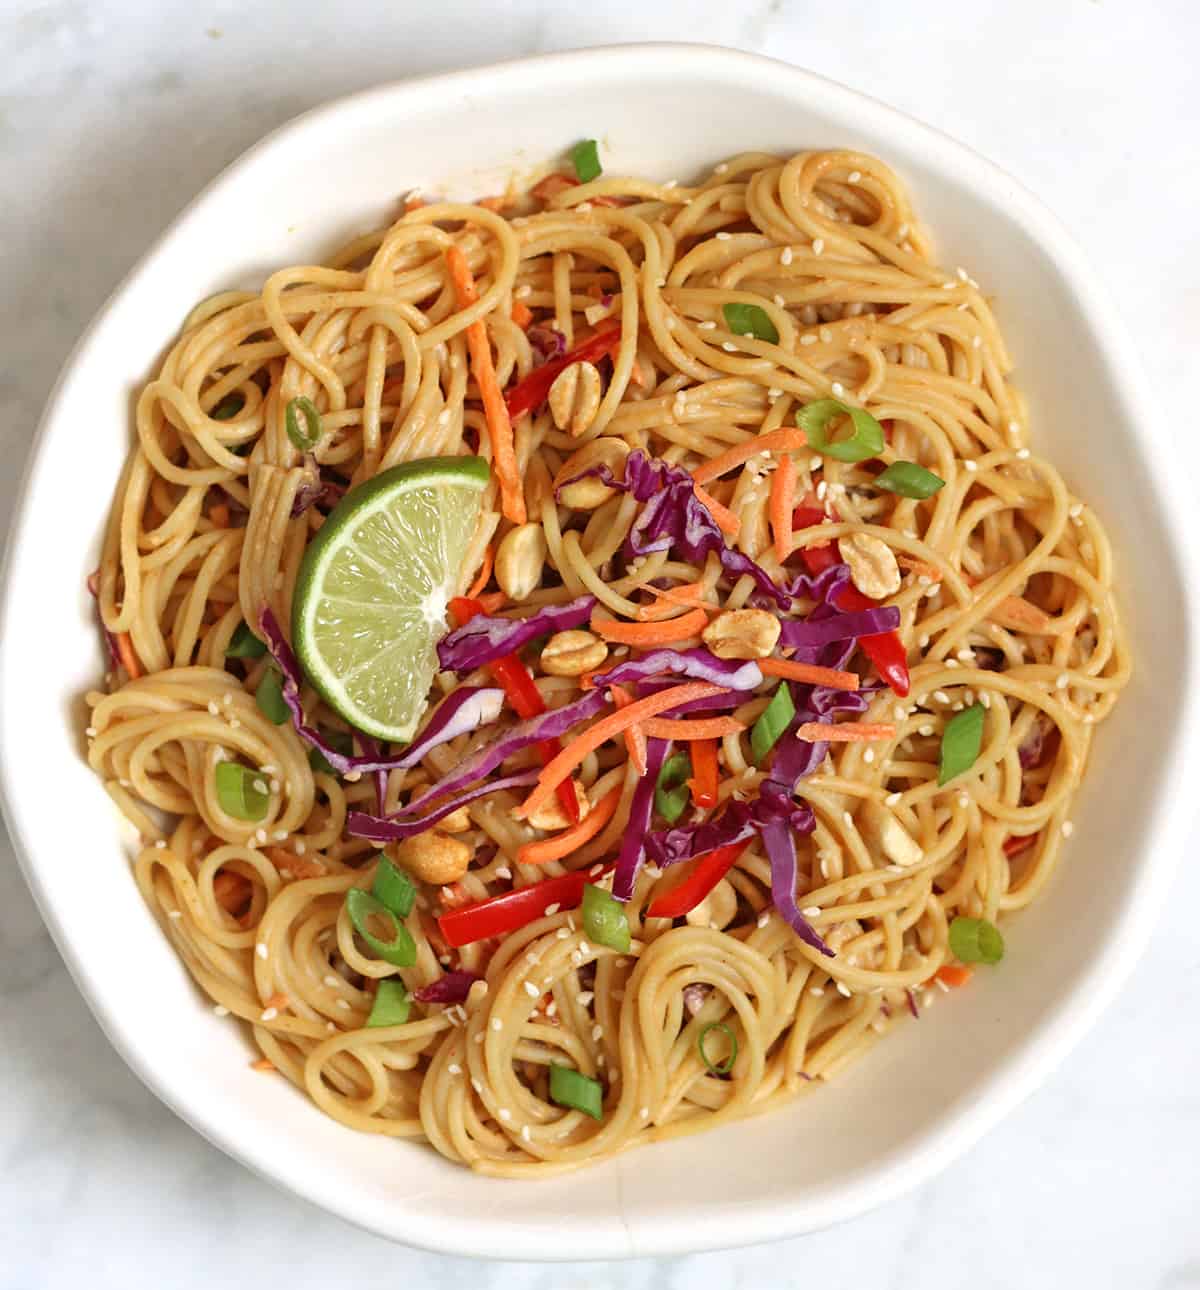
{"x": 1006, "y": 600}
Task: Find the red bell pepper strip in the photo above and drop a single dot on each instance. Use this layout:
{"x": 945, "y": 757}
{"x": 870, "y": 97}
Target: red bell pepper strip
{"x": 523, "y": 697}
{"x": 511, "y": 910}
{"x": 708, "y": 871}
{"x": 885, "y": 650}
{"x": 703, "y": 783}
{"x": 1017, "y": 844}
{"x": 535, "y": 388}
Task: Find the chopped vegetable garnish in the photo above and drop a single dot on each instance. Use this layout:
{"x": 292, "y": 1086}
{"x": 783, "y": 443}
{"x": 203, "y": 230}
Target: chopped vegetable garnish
{"x": 671, "y": 792}
{"x": 772, "y": 722}
{"x": 534, "y": 389}
{"x": 865, "y": 441}
{"x": 635, "y": 736}
{"x": 605, "y": 920}
{"x": 585, "y": 157}
{"x": 782, "y": 440}
{"x": 304, "y": 438}
{"x": 885, "y": 649}
{"x": 848, "y": 732}
{"x": 647, "y": 635}
{"x": 563, "y": 844}
{"x": 782, "y": 500}
{"x": 697, "y": 728}
{"x": 751, "y": 320}
{"x": 576, "y": 1092}
{"x": 705, "y": 774}
{"x": 269, "y": 696}
{"x": 907, "y": 479}
{"x": 809, "y": 674}
{"x": 244, "y": 644}
{"x": 449, "y": 988}
{"x": 228, "y": 408}
{"x": 242, "y": 792}
{"x": 482, "y": 638}
{"x": 391, "y": 1004}
{"x": 708, "y": 870}
{"x": 393, "y": 887}
{"x": 339, "y": 741}
{"x": 961, "y": 741}
{"x": 499, "y": 915}
{"x": 637, "y": 824}
{"x": 952, "y": 974}
{"x": 975, "y": 940}
{"x": 724, "y": 1066}
{"x": 399, "y": 948}
{"x": 723, "y": 517}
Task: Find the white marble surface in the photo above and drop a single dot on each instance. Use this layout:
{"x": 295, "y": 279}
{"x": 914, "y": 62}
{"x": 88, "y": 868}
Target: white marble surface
{"x": 111, "y": 116}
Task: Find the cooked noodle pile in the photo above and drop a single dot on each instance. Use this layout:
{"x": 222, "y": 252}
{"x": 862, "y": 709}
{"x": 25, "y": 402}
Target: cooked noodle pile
{"x": 1006, "y": 600}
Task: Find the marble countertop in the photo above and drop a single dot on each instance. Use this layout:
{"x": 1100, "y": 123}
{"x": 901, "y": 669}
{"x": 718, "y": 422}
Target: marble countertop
{"x": 112, "y": 115}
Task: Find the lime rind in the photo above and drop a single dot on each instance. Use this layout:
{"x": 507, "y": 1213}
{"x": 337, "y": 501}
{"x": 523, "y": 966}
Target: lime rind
{"x": 373, "y": 586}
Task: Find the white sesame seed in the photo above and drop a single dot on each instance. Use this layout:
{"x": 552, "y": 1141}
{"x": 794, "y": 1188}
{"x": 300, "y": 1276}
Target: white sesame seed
{"x": 764, "y": 918}
{"x": 454, "y": 1069}
{"x": 584, "y": 998}
{"x": 479, "y": 1037}
{"x": 847, "y": 819}
{"x": 1022, "y": 454}
{"x": 299, "y": 846}
{"x": 825, "y": 334}
{"x": 1075, "y": 511}
{"x": 1067, "y": 829}
{"x": 724, "y": 237}
{"x": 941, "y": 696}
{"x": 345, "y": 1007}
{"x": 234, "y": 723}
{"x": 728, "y": 346}
{"x": 160, "y": 845}
{"x": 854, "y": 176}
{"x": 970, "y": 466}
{"x": 260, "y": 785}
{"x": 785, "y": 256}
{"x": 597, "y": 1032}
{"x": 838, "y": 389}
{"x": 923, "y": 642}
{"x": 706, "y": 326}
{"x": 212, "y": 708}
{"x": 477, "y": 1086}
{"x": 953, "y": 662}
{"x": 174, "y": 914}
{"x": 504, "y": 1113}
{"x": 925, "y": 730}
{"x": 825, "y": 867}
{"x": 962, "y": 273}
{"x": 902, "y": 231}
{"x": 811, "y": 911}
{"x": 552, "y": 909}
{"x": 221, "y": 1010}
{"x": 551, "y": 1008}
{"x": 773, "y": 392}
{"x": 1014, "y": 428}
{"x": 525, "y": 1134}
{"x": 260, "y": 836}
{"x": 261, "y": 950}
{"x": 269, "y": 1014}
{"x": 562, "y": 934}
{"x": 331, "y": 1027}
{"x": 523, "y": 291}
{"x": 893, "y": 799}
{"x": 949, "y": 286}
{"x": 843, "y": 989}
{"x": 720, "y": 169}
{"x": 976, "y": 342}
{"x": 964, "y": 801}
{"x": 985, "y": 699}
{"x": 816, "y": 991}
{"x": 1062, "y": 681}
{"x": 497, "y": 1024}
{"x": 818, "y": 245}
{"x": 532, "y": 991}
{"x": 808, "y": 340}
{"x": 967, "y": 654}
{"x": 822, "y": 491}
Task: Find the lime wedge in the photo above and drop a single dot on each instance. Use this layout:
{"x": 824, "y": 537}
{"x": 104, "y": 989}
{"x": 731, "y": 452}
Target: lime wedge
{"x": 370, "y": 603}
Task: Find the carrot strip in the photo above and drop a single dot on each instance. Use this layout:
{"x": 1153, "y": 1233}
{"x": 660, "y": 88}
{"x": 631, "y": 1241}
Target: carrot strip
{"x": 847, "y": 733}
{"x": 232, "y": 891}
{"x": 263, "y": 1064}
{"x": 485, "y": 572}
{"x": 953, "y": 974}
{"x": 920, "y": 567}
{"x": 492, "y": 600}
{"x": 496, "y": 204}
{"x": 287, "y": 862}
{"x": 1015, "y": 612}
{"x": 809, "y": 673}
{"x": 705, "y": 773}
{"x": 643, "y": 634}
{"x": 687, "y": 594}
{"x": 551, "y": 186}
{"x": 726, "y": 520}
{"x": 783, "y": 501}
{"x": 218, "y": 515}
{"x": 129, "y": 660}
{"x": 521, "y": 314}
{"x": 709, "y": 728}
{"x": 504, "y": 457}
{"x": 782, "y": 440}
{"x": 277, "y": 1001}
{"x": 608, "y": 728}
{"x": 635, "y": 736}
{"x": 562, "y": 844}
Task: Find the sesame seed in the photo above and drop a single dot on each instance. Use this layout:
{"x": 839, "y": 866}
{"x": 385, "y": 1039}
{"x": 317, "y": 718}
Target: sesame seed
{"x": 952, "y": 662}
{"x": 764, "y": 918}
{"x": 454, "y": 1069}
{"x": 900, "y": 712}
{"x": 269, "y": 1014}
{"x": 811, "y": 911}
{"x": 923, "y": 642}
{"x": 970, "y": 466}
{"x": 644, "y": 1113}
{"x": 299, "y": 846}
{"x": 941, "y": 696}
{"x": 260, "y": 836}
{"x": 260, "y": 785}
{"x": 720, "y": 169}
{"x": 843, "y": 989}
{"x": 1062, "y": 681}
{"x": 221, "y": 1010}
{"x": 523, "y": 291}
{"x": 497, "y": 1024}
{"x": 847, "y": 819}
{"x": 808, "y": 340}
{"x": 949, "y": 286}
{"x": 479, "y": 1037}
{"x": 728, "y": 346}
{"x": 477, "y": 1086}
{"x": 985, "y": 699}
{"x": 963, "y": 800}
{"x": 562, "y": 934}
{"x": 893, "y": 799}
{"x": 597, "y": 1032}
{"x": 234, "y": 723}
{"x": 1022, "y": 454}
{"x": 945, "y": 989}
{"x": 525, "y": 1134}
{"x": 261, "y": 950}
{"x": 925, "y": 730}
{"x": 773, "y": 392}
{"x": 174, "y": 913}
{"x": 443, "y": 417}
{"x": 818, "y": 245}
{"x": 551, "y": 1008}
{"x": 967, "y": 654}
{"x": 331, "y": 1027}
{"x": 822, "y": 491}
{"x": 345, "y": 1007}
{"x": 707, "y": 326}
{"x": 532, "y": 991}
{"x": 816, "y": 991}
{"x": 825, "y": 334}
{"x": 825, "y": 867}
{"x": 854, "y": 176}
{"x": 976, "y": 342}
{"x": 1067, "y": 829}
{"x": 584, "y": 998}
{"x": 552, "y": 909}
{"x": 160, "y": 845}
{"x": 902, "y": 231}
{"x": 505, "y": 1113}
{"x": 838, "y": 389}
{"x": 962, "y": 273}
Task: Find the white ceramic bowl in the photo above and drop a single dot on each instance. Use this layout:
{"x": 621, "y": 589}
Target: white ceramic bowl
{"x": 930, "y": 1090}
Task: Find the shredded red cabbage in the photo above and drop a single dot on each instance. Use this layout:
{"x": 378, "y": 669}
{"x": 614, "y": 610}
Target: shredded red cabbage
{"x": 738, "y": 821}
{"x": 372, "y": 748}
{"x": 395, "y": 828}
{"x": 487, "y": 637}
{"x": 780, "y": 844}
{"x": 466, "y": 709}
{"x": 311, "y": 491}
{"x": 1033, "y": 746}
{"x": 699, "y": 664}
{"x": 816, "y": 630}
{"x": 547, "y": 343}
{"x": 633, "y": 843}
{"x": 451, "y": 987}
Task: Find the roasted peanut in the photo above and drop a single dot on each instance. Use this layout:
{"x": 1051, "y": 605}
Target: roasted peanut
{"x": 551, "y": 816}
{"x": 573, "y": 653}
{"x": 742, "y": 633}
{"x": 456, "y": 822}
{"x": 575, "y": 397}
{"x": 881, "y": 828}
{"x": 588, "y": 494}
{"x": 717, "y": 909}
{"x": 433, "y": 857}
{"x": 520, "y": 559}
{"x": 873, "y": 567}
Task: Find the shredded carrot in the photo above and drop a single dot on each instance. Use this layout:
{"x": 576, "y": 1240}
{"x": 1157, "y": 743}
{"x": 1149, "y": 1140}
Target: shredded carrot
{"x": 644, "y": 634}
{"x": 521, "y": 314}
{"x": 605, "y": 729}
{"x": 485, "y": 572}
{"x": 278, "y": 1002}
{"x": 288, "y": 863}
{"x": 232, "y": 891}
{"x": 708, "y": 728}
{"x": 562, "y": 844}
{"x": 605, "y": 200}
{"x": 846, "y": 733}
{"x": 783, "y": 502}
{"x": 492, "y": 601}
{"x": 504, "y": 457}
{"x": 782, "y": 440}
{"x": 218, "y": 515}
{"x": 496, "y": 204}
{"x": 920, "y": 567}
{"x": 129, "y": 660}
{"x": 727, "y": 521}
{"x": 688, "y": 593}
{"x": 1015, "y": 612}
{"x": 635, "y": 736}
{"x": 551, "y": 186}
{"x": 809, "y": 673}
{"x": 953, "y": 974}
{"x": 263, "y": 1064}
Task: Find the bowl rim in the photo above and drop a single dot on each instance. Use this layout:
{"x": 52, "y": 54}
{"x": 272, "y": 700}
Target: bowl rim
{"x": 1063, "y": 1026}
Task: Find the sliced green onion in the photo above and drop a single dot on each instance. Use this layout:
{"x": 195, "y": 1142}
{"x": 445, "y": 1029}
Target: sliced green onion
{"x": 399, "y": 949}
{"x": 228, "y": 408}
{"x": 577, "y": 1092}
{"x": 908, "y": 479}
{"x": 244, "y": 644}
{"x": 772, "y": 722}
{"x": 585, "y": 157}
{"x": 391, "y": 1003}
{"x": 961, "y": 741}
{"x": 604, "y": 919}
{"x": 242, "y": 792}
{"x": 269, "y": 697}
{"x": 671, "y": 791}
{"x": 975, "y": 940}
{"x": 865, "y": 442}
{"x": 304, "y": 440}
{"x": 722, "y": 1067}
{"x": 750, "y": 320}
{"x": 341, "y": 741}
{"x": 393, "y": 888}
